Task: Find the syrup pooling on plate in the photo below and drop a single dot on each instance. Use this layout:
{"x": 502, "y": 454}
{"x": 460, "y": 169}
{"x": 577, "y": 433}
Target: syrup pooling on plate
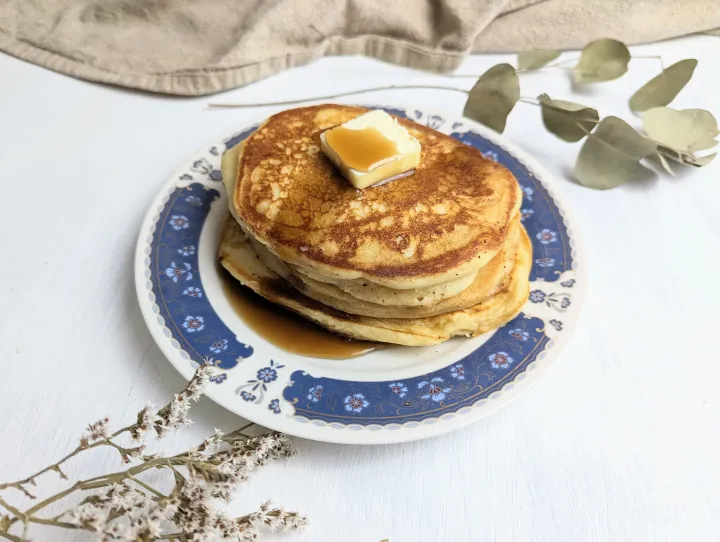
{"x": 361, "y": 149}
{"x": 286, "y": 330}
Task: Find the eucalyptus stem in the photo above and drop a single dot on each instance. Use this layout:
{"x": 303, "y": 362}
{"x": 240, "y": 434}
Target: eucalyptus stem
{"x": 333, "y": 96}
{"x": 554, "y": 65}
{"x": 657, "y": 57}
{"x": 560, "y": 65}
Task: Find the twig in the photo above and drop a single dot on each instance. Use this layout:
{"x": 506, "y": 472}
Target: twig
{"x": 106, "y": 480}
{"x": 239, "y": 431}
{"x": 10, "y": 508}
{"x": 146, "y": 486}
{"x": 554, "y": 65}
{"x": 658, "y": 57}
{"x": 56, "y": 466}
{"x": 212, "y": 470}
{"x": 333, "y": 96}
{"x": 54, "y": 522}
{"x": 560, "y": 65}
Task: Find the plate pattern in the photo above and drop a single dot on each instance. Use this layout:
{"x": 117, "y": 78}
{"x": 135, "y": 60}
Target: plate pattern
{"x": 182, "y": 306}
{"x": 174, "y": 290}
{"x": 451, "y": 389}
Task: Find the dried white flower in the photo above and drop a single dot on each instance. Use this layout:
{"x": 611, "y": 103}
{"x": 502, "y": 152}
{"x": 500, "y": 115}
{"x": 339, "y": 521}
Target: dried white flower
{"x": 129, "y": 509}
{"x": 136, "y": 452}
{"x": 89, "y": 515}
{"x": 173, "y": 416}
{"x": 145, "y": 420}
{"x": 95, "y": 431}
{"x": 118, "y": 531}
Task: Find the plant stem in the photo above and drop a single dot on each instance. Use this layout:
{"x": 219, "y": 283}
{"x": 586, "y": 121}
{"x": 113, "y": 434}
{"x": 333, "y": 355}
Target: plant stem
{"x": 76, "y": 451}
{"x": 50, "y": 500}
{"x": 12, "y": 537}
{"x": 99, "y": 481}
{"x": 81, "y": 448}
{"x": 54, "y": 523}
{"x": 658, "y": 57}
{"x": 148, "y": 487}
{"x": 10, "y": 508}
{"x": 332, "y": 96}
{"x": 561, "y": 63}
{"x": 558, "y": 65}
{"x": 554, "y": 65}
{"x": 239, "y": 431}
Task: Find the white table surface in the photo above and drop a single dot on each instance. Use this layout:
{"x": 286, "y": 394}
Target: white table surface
{"x": 619, "y": 441}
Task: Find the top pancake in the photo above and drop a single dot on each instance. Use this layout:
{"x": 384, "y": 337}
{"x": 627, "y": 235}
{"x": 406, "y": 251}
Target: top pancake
{"x": 446, "y": 220}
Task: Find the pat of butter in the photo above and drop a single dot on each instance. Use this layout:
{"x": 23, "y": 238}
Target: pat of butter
{"x": 371, "y": 148}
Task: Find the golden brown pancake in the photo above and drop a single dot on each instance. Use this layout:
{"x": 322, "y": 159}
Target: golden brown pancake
{"x": 489, "y": 280}
{"x": 373, "y": 292}
{"x": 361, "y": 289}
{"x": 238, "y": 257}
{"x": 448, "y": 219}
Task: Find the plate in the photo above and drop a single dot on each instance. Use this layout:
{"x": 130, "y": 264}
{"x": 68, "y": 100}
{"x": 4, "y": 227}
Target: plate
{"x": 389, "y": 395}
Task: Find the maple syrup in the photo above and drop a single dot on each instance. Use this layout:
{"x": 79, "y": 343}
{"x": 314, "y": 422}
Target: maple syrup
{"x": 285, "y": 329}
{"x": 360, "y": 149}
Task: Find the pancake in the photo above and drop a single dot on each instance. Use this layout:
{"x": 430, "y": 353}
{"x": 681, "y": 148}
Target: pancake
{"x": 372, "y": 292}
{"x": 447, "y": 220}
{"x": 240, "y": 259}
{"x": 361, "y": 289}
{"x": 488, "y": 281}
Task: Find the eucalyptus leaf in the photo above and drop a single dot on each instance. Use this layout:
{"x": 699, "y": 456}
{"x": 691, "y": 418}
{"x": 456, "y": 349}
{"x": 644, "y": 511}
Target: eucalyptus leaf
{"x": 684, "y": 131}
{"x": 674, "y": 155}
{"x": 537, "y": 58}
{"x": 611, "y": 154}
{"x": 700, "y": 161}
{"x": 567, "y": 120}
{"x": 662, "y": 89}
{"x": 602, "y": 60}
{"x": 493, "y": 96}
{"x": 684, "y": 157}
{"x": 664, "y": 163}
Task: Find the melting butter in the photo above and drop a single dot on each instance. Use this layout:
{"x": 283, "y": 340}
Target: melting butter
{"x": 371, "y": 148}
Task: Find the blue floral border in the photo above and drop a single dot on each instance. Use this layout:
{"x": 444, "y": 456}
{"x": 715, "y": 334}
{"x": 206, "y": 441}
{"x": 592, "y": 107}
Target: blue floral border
{"x": 179, "y": 294}
{"x": 506, "y": 354}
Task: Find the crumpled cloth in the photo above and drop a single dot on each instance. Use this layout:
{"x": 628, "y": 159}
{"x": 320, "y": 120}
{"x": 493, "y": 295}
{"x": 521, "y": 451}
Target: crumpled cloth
{"x": 195, "y": 47}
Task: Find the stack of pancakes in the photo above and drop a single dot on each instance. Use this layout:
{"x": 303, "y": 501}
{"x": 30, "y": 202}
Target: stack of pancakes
{"x": 437, "y": 254}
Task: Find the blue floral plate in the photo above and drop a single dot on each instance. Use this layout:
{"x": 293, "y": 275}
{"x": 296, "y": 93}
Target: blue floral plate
{"x": 389, "y": 395}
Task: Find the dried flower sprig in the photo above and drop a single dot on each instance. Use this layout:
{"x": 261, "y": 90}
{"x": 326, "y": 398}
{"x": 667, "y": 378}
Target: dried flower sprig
{"x": 120, "y": 506}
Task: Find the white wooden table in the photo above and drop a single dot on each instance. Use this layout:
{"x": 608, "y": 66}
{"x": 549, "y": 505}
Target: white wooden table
{"x": 619, "y": 441}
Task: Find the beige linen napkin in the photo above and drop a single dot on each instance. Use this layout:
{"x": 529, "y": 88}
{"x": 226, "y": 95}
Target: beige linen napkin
{"x": 194, "y": 47}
